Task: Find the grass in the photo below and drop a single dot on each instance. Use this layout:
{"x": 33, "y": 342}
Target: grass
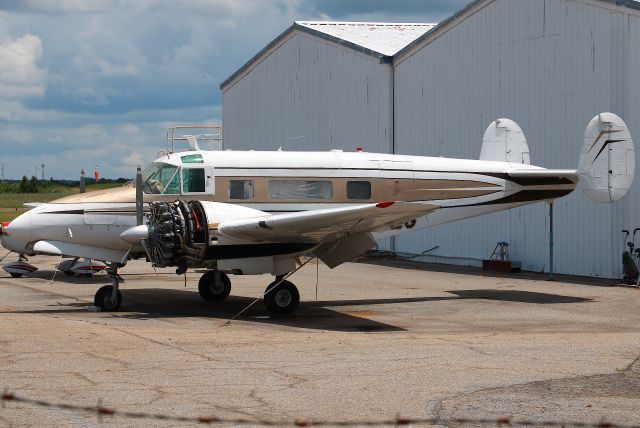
{"x": 9, "y": 215}
{"x": 16, "y": 200}
{"x": 9, "y": 201}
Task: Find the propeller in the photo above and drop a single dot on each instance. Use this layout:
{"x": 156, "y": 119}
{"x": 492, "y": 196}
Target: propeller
{"x": 139, "y": 233}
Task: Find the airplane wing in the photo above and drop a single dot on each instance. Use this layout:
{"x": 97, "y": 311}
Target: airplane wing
{"x": 324, "y": 225}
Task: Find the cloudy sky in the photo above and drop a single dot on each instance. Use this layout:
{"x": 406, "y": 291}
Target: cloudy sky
{"x": 86, "y": 82}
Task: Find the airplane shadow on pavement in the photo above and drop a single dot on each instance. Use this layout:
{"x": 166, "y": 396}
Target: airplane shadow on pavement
{"x": 154, "y": 303}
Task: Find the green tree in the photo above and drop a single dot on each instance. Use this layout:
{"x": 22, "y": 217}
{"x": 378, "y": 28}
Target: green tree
{"x": 33, "y": 185}
{"x": 24, "y": 185}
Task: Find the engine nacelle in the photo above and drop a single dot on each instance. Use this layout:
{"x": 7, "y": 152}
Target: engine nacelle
{"x": 180, "y": 232}
{"x": 177, "y": 234}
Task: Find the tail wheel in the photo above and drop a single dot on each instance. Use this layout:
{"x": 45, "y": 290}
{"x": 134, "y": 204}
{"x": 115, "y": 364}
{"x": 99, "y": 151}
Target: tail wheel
{"x": 214, "y": 286}
{"x": 281, "y": 299}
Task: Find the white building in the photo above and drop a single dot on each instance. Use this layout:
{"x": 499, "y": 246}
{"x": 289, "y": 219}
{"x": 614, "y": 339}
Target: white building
{"x": 550, "y": 65}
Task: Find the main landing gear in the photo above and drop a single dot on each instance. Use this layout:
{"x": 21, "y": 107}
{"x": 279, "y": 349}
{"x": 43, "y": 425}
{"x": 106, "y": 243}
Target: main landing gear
{"x": 109, "y": 298}
{"x": 281, "y": 297}
{"x": 214, "y": 286}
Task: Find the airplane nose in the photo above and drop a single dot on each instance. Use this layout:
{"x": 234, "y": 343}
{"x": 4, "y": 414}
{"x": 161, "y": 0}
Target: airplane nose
{"x": 19, "y": 229}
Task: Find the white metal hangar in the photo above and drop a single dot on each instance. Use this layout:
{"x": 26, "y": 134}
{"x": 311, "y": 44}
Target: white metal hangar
{"x": 317, "y": 86}
{"x": 550, "y": 65}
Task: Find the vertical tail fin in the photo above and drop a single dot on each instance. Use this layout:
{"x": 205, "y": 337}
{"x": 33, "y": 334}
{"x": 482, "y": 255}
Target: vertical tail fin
{"x": 607, "y": 159}
{"x": 504, "y": 141}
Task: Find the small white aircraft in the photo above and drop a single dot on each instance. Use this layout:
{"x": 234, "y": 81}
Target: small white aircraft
{"x": 251, "y": 212}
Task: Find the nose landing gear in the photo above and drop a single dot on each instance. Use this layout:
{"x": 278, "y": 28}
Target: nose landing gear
{"x": 108, "y": 298}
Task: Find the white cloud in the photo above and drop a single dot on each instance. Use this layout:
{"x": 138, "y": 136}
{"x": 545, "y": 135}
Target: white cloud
{"x": 20, "y": 75}
{"x": 88, "y": 61}
{"x": 85, "y": 82}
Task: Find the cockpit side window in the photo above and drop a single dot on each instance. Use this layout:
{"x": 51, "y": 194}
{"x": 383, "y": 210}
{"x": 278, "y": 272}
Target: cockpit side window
{"x": 193, "y": 180}
{"x": 161, "y": 178}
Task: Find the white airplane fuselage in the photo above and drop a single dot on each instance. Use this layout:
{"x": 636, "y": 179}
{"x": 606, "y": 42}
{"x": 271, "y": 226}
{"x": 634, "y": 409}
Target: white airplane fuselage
{"x": 278, "y": 182}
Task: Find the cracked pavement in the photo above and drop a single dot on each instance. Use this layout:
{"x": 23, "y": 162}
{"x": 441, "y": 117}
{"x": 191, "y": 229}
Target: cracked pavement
{"x": 382, "y": 339}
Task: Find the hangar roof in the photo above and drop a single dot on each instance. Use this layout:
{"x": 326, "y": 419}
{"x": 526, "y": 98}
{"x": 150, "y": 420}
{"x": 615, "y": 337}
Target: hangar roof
{"x": 390, "y": 42}
{"x": 379, "y": 39}
{"x": 383, "y": 37}
{"x": 472, "y": 7}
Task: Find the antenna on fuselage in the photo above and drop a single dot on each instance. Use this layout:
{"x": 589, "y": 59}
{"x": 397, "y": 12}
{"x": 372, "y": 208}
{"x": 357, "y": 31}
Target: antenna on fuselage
{"x": 193, "y": 142}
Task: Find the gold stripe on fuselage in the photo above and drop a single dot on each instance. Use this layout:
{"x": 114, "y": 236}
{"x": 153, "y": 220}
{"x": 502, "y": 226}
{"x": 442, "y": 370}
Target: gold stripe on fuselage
{"x": 382, "y": 189}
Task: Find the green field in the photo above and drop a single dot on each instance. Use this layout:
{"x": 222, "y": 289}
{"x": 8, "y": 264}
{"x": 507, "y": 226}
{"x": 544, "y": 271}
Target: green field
{"x": 10, "y": 201}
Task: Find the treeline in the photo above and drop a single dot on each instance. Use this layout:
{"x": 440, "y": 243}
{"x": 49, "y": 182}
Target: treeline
{"x": 34, "y": 185}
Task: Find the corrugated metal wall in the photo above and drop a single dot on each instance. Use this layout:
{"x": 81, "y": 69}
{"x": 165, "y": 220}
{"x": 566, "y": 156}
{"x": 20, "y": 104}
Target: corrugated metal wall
{"x": 550, "y": 65}
{"x": 330, "y": 96}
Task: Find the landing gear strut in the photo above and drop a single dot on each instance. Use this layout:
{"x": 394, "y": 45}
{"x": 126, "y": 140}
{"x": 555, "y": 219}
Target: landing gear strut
{"x": 214, "y": 286}
{"x": 281, "y": 297}
{"x": 109, "y": 298}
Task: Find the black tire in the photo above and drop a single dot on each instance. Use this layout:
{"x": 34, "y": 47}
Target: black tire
{"x": 16, "y": 275}
{"x": 103, "y": 299}
{"x": 283, "y": 299}
{"x": 212, "y": 292}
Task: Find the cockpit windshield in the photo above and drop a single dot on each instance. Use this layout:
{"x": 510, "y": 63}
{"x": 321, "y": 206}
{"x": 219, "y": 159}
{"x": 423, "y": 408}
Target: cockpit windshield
{"x": 161, "y": 178}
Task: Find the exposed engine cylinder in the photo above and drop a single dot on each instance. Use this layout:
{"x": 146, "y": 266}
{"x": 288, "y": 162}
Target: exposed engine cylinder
{"x": 177, "y": 234}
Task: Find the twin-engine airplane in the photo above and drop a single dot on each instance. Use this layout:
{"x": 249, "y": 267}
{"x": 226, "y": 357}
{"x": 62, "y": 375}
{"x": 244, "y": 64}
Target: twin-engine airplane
{"x": 250, "y": 212}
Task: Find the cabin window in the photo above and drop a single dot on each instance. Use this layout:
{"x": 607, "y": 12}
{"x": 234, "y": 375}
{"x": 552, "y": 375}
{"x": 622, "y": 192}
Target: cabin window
{"x": 300, "y": 189}
{"x": 193, "y": 180}
{"x": 358, "y": 190}
{"x": 161, "y": 178}
{"x": 192, "y": 159}
{"x": 241, "y": 189}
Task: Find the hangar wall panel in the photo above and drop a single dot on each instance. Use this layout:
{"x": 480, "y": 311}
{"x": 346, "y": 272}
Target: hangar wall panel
{"x": 550, "y": 65}
{"x": 310, "y": 94}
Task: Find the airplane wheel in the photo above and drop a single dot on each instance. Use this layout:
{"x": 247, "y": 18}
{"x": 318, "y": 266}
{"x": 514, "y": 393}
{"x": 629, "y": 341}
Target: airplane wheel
{"x": 103, "y": 299}
{"x": 15, "y": 275}
{"x": 210, "y": 290}
{"x": 283, "y": 299}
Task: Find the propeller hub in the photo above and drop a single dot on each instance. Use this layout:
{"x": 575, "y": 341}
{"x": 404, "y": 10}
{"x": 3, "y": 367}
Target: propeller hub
{"x": 135, "y": 234}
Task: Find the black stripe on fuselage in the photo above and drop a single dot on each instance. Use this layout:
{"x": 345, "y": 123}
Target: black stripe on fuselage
{"x": 80, "y": 212}
{"x": 522, "y": 196}
{"x": 221, "y": 252}
{"x": 96, "y": 212}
